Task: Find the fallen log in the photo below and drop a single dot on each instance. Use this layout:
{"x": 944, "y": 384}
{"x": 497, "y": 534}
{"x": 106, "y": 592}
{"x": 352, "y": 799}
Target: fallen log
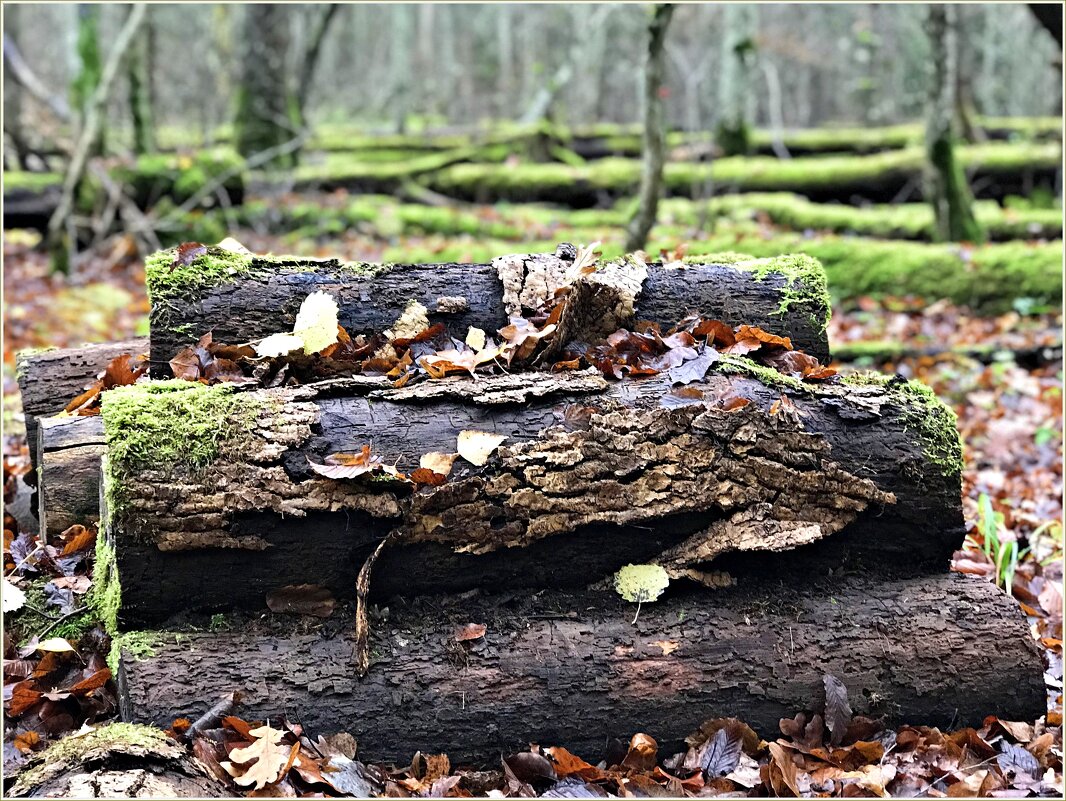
{"x": 573, "y": 670}
{"x": 210, "y": 500}
{"x": 49, "y": 380}
{"x": 68, "y": 483}
{"x": 116, "y": 761}
{"x": 241, "y": 297}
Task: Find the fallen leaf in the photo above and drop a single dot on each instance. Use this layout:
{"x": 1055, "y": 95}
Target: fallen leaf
{"x": 278, "y": 345}
{"x": 302, "y": 599}
{"x": 269, "y": 756}
{"x": 77, "y": 538}
{"x": 477, "y": 446}
{"x": 14, "y": 598}
{"x": 316, "y": 322}
{"x": 837, "y": 708}
{"x": 641, "y": 583}
{"x": 438, "y": 462}
{"x": 56, "y": 645}
{"x": 668, "y": 646}
{"x": 642, "y": 753}
{"x": 471, "y": 631}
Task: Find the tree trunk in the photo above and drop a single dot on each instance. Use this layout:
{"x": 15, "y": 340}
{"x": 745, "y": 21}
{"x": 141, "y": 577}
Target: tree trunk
{"x": 947, "y": 187}
{"x": 267, "y": 115}
{"x": 139, "y": 77}
{"x": 264, "y": 296}
{"x": 864, "y": 474}
{"x": 68, "y": 482}
{"x": 51, "y": 379}
{"x": 309, "y": 62}
{"x": 116, "y": 761}
{"x": 573, "y": 670}
{"x": 654, "y": 141}
{"x": 735, "y": 85}
{"x": 89, "y": 69}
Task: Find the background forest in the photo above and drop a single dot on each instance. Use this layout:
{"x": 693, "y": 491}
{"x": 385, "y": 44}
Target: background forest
{"x": 914, "y": 149}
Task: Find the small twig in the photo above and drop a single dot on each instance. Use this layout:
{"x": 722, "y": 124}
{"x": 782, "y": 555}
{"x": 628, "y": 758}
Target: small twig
{"x": 225, "y": 706}
{"x": 25, "y": 559}
{"x": 61, "y": 618}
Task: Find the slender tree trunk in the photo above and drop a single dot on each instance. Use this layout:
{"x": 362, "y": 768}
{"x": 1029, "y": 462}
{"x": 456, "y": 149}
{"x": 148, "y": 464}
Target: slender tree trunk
{"x": 139, "y": 76}
{"x": 267, "y": 110}
{"x": 311, "y": 56}
{"x": 654, "y": 144}
{"x": 61, "y": 234}
{"x": 735, "y": 91}
{"x": 89, "y": 70}
{"x": 947, "y": 187}
{"x": 13, "y": 96}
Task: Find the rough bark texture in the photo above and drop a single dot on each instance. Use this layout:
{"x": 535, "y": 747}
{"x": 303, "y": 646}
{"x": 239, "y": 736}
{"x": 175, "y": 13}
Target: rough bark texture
{"x": 266, "y": 299}
{"x": 51, "y": 379}
{"x": 117, "y": 761}
{"x": 68, "y": 484}
{"x": 573, "y": 670}
{"x": 635, "y": 482}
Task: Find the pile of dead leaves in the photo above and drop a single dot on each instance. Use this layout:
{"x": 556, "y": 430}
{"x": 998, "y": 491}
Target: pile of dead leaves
{"x": 829, "y": 754}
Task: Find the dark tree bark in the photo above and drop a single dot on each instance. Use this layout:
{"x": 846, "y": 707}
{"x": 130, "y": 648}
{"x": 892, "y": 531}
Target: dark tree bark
{"x": 267, "y": 297}
{"x": 694, "y": 489}
{"x": 573, "y": 670}
{"x": 116, "y": 762}
{"x": 68, "y": 481}
{"x": 654, "y": 142}
{"x": 51, "y": 379}
{"x": 268, "y": 118}
{"x": 948, "y": 189}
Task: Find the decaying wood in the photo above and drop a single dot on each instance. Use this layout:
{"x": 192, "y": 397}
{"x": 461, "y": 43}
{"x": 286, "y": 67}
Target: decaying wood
{"x": 555, "y": 668}
{"x": 50, "y": 379}
{"x": 632, "y": 482}
{"x": 116, "y": 762}
{"x": 266, "y": 300}
{"x": 68, "y": 483}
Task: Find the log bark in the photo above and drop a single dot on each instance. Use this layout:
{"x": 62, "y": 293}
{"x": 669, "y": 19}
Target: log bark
{"x": 573, "y": 670}
{"x": 117, "y": 761}
{"x": 50, "y": 379}
{"x": 851, "y": 476}
{"x": 68, "y": 484}
{"x": 266, "y": 296}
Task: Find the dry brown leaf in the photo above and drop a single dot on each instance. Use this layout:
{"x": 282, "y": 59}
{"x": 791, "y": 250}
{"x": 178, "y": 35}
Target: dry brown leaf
{"x": 269, "y": 756}
{"x": 438, "y": 462}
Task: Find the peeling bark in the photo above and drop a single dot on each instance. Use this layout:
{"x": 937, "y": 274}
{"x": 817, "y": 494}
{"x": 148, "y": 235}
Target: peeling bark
{"x": 461, "y": 295}
{"x": 555, "y": 668}
{"x": 553, "y": 507}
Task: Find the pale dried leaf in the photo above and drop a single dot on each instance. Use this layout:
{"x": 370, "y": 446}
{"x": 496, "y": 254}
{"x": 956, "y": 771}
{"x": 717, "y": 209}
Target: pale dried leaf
{"x": 477, "y": 446}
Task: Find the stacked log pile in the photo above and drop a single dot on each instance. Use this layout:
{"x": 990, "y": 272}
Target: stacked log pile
{"x": 804, "y": 522}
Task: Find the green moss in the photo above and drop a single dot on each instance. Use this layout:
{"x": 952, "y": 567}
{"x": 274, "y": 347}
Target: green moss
{"x": 19, "y": 180}
{"x": 742, "y": 365}
{"x": 167, "y": 284}
{"x": 105, "y": 597}
{"x": 805, "y": 288}
{"x": 166, "y": 425}
{"x": 922, "y": 411}
{"x": 138, "y": 645}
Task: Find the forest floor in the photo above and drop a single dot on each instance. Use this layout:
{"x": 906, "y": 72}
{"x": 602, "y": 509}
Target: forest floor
{"x": 1011, "y": 419}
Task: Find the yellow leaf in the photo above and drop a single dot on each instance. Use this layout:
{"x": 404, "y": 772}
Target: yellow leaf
{"x": 641, "y": 583}
{"x": 56, "y": 644}
{"x": 316, "y": 322}
{"x": 438, "y": 462}
{"x": 475, "y": 338}
{"x": 477, "y": 446}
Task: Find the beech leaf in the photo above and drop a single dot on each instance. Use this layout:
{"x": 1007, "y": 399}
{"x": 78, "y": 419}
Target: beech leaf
{"x": 477, "y": 446}
{"x": 316, "y": 322}
{"x": 641, "y": 583}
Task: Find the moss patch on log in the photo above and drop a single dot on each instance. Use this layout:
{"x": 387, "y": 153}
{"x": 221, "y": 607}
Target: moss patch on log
{"x": 105, "y": 598}
{"x": 922, "y": 411}
{"x": 168, "y": 281}
{"x": 136, "y": 644}
{"x": 70, "y": 752}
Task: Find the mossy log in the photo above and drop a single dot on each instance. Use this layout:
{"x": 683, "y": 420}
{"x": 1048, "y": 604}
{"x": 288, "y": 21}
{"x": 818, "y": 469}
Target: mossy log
{"x": 243, "y": 297}
{"x": 211, "y": 502}
{"x": 68, "y": 481}
{"x": 574, "y": 670}
{"x": 116, "y": 761}
{"x": 50, "y": 379}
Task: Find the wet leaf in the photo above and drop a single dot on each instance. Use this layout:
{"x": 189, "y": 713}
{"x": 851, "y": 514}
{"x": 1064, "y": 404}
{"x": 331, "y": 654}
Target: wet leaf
{"x": 302, "y": 599}
{"x": 186, "y": 254}
{"x": 837, "y": 708}
{"x": 471, "y": 631}
{"x": 694, "y": 369}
